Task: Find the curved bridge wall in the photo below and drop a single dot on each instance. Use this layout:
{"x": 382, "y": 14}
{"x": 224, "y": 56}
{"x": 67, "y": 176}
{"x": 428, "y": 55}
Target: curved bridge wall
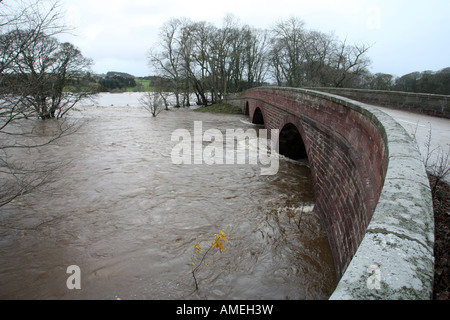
{"x": 371, "y": 190}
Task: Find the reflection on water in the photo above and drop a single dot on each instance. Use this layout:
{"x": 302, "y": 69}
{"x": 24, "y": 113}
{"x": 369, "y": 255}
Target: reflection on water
{"x": 129, "y": 218}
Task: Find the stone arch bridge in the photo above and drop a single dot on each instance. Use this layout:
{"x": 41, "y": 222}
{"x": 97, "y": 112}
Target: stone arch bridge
{"x": 371, "y": 190}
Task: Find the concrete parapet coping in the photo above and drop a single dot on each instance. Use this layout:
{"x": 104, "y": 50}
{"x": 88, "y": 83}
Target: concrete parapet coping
{"x": 386, "y": 92}
{"x": 395, "y": 259}
{"x": 422, "y": 103}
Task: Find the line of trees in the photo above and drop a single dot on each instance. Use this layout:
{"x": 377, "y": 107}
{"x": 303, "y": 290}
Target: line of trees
{"x": 425, "y": 82}
{"x": 434, "y": 82}
{"x": 210, "y": 62}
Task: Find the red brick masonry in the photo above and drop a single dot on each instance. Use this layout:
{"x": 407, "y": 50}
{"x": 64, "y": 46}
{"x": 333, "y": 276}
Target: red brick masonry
{"x": 348, "y": 157}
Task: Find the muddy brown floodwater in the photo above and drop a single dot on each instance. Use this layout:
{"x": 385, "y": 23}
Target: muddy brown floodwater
{"x": 129, "y": 218}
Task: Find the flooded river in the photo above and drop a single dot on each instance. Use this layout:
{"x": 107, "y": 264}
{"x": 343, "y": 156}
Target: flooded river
{"x": 129, "y": 218}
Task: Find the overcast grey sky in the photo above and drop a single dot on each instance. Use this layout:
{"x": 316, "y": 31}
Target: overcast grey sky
{"x": 407, "y": 35}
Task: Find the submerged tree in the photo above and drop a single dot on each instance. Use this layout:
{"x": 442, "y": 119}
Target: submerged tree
{"x": 35, "y": 68}
{"x": 152, "y": 102}
{"x": 39, "y": 74}
{"x": 167, "y": 61}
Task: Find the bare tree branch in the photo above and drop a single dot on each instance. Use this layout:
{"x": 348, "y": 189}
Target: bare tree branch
{"x": 152, "y": 102}
{"x": 34, "y": 70}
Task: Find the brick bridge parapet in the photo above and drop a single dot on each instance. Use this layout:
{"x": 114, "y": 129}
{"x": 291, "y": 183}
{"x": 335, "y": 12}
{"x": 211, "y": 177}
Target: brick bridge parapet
{"x": 371, "y": 190}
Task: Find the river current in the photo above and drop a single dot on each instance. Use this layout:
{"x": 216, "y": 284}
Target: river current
{"x": 129, "y": 218}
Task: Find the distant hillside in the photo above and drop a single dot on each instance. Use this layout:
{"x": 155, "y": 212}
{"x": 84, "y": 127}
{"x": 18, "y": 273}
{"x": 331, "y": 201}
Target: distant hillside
{"x": 112, "y": 74}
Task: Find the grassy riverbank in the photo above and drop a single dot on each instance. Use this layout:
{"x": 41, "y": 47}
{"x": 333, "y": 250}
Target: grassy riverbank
{"x": 221, "y": 108}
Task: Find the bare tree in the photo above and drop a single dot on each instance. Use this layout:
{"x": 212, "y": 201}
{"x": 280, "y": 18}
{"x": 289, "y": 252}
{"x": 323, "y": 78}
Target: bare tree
{"x": 197, "y": 41}
{"x": 42, "y": 71}
{"x": 152, "y": 102}
{"x": 286, "y": 56}
{"x": 199, "y": 58}
{"x": 186, "y": 45}
{"x": 34, "y": 69}
{"x": 255, "y": 56}
{"x": 225, "y": 57}
{"x": 33, "y": 16}
{"x": 349, "y": 62}
{"x": 317, "y": 48}
{"x": 162, "y": 88}
{"x": 301, "y": 57}
{"x": 34, "y": 66}
{"x": 166, "y": 59}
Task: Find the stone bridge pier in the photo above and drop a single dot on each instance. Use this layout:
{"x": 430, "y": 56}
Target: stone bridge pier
{"x": 371, "y": 190}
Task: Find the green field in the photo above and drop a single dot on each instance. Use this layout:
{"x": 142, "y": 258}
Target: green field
{"x": 142, "y": 85}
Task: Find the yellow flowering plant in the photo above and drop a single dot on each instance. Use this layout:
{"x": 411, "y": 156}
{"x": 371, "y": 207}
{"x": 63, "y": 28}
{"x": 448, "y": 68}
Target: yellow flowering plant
{"x": 218, "y": 238}
{"x": 218, "y": 242}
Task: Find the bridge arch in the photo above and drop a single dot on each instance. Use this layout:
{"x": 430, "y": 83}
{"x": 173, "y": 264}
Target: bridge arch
{"x": 258, "y": 117}
{"x": 290, "y": 143}
{"x": 370, "y": 187}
